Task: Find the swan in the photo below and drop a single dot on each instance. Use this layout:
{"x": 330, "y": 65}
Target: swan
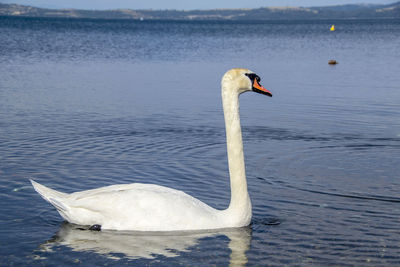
{"x": 150, "y": 207}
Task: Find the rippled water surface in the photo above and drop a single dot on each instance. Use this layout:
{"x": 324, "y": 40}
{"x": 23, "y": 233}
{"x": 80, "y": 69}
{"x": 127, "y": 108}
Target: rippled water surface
{"x": 88, "y": 103}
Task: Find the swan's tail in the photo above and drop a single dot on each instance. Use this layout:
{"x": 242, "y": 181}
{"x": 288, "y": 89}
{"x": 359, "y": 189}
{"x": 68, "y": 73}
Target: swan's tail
{"x": 54, "y": 197}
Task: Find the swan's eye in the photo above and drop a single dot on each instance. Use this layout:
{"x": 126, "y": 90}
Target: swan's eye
{"x": 253, "y": 77}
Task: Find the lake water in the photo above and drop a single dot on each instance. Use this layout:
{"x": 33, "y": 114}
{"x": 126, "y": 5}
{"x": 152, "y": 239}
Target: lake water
{"x": 90, "y": 103}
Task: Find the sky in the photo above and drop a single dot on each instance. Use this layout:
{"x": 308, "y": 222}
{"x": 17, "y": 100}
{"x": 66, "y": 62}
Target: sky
{"x": 184, "y": 4}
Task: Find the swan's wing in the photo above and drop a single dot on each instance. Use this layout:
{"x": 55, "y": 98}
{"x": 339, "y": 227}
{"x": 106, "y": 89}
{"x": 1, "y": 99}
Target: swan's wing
{"x": 131, "y": 196}
{"x": 106, "y": 190}
{"x": 137, "y": 206}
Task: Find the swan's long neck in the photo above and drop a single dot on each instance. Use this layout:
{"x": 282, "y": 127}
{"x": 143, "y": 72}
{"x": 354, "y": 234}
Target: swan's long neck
{"x": 240, "y": 205}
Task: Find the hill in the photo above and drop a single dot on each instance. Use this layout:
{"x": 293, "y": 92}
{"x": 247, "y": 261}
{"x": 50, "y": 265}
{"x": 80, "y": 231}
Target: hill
{"x": 265, "y": 13}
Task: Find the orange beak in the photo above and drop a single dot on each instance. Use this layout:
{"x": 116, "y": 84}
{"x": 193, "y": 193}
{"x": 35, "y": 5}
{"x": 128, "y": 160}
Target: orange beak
{"x": 260, "y": 89}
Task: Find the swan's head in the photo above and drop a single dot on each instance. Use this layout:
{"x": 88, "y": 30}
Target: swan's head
{"x": 243, "y": 80}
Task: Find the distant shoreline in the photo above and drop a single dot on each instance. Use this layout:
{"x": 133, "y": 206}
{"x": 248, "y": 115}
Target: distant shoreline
{"x": 342, "y": 12}
{"x": 311, "y": 20}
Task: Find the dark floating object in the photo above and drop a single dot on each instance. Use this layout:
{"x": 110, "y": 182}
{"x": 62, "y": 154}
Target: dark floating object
{"x": 95, "y": 227}
{"x": 332, "y": 62}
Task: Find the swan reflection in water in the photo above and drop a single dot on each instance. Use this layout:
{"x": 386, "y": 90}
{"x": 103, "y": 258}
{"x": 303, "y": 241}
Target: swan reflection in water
{"x": 146, "y": 245}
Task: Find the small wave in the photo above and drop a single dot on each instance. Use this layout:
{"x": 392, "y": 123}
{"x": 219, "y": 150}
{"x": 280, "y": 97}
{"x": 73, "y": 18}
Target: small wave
{"x": 266, "y": 221}
{"x": 282, "y": 134}
{"x": 345, "y": 195}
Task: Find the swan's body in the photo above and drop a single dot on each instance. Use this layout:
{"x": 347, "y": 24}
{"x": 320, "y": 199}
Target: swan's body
{"x": 148, "y": 207}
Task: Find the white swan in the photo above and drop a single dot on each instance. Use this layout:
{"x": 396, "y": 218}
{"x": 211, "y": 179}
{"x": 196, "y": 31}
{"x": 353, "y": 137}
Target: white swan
{"x": 149, "y": 207}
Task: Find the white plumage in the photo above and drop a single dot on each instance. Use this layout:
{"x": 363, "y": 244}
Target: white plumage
{"x": 149, "y": 207}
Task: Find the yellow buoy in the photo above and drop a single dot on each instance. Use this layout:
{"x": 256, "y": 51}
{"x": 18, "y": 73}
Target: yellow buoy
{"x": 332, "y": 28}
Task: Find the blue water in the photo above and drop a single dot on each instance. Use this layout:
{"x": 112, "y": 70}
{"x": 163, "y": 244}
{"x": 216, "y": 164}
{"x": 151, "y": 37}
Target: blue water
{"x": 89, "y": 103}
